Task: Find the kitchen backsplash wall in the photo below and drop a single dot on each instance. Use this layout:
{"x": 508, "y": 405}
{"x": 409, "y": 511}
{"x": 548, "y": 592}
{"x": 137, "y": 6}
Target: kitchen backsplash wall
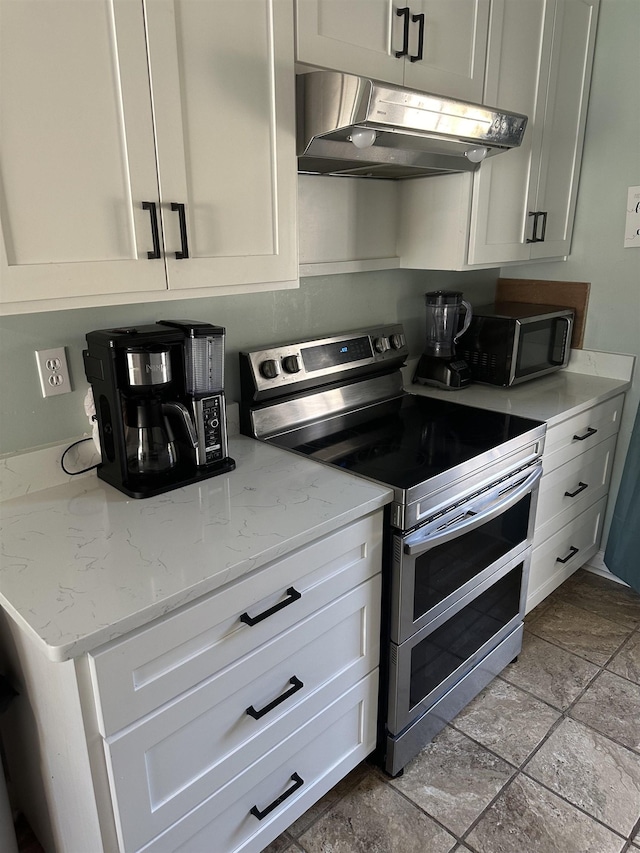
{"x": 322, "y": 305}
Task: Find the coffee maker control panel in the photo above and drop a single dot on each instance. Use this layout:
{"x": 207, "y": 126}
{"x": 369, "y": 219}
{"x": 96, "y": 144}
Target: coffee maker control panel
{"x": 210, "y": 416}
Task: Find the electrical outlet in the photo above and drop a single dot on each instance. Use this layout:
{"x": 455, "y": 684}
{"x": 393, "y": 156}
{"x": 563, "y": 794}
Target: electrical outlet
{"x": 53, "y": 371}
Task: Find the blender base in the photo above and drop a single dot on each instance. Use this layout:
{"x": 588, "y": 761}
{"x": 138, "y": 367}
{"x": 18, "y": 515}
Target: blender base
{"x": 451, "y": 374}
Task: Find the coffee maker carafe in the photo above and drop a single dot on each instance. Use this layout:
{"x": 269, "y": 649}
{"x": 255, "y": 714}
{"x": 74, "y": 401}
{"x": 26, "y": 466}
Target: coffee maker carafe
{"x": 439, "y": 365}
{"x": 157, "y": 431}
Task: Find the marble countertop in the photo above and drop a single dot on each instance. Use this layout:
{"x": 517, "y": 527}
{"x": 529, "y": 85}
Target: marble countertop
{"x": 82, "y": 563}
{"x": 552, "y": 398}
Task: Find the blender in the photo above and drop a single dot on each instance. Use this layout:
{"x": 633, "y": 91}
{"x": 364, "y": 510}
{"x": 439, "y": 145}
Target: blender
{"x": 439, "y": 365}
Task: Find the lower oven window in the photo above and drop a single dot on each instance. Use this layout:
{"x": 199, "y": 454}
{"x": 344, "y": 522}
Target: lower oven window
{"x": 445, "y": 568}
{"x": 456, "y": 641}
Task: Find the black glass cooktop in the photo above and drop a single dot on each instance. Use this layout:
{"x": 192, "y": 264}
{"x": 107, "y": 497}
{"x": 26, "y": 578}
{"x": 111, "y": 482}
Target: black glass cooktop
{"x": 418, "y": 439}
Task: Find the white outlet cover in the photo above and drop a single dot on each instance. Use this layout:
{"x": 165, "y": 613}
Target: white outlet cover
{"x": 53, "y": 371}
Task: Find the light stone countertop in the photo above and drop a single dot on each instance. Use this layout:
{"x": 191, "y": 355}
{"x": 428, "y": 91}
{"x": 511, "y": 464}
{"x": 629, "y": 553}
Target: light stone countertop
{"x": 82, "y": 563}
{"x": 552, "y": 398}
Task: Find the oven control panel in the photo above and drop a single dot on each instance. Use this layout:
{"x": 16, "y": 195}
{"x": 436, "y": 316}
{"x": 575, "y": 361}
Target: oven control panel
{"x": 296, "y": 366}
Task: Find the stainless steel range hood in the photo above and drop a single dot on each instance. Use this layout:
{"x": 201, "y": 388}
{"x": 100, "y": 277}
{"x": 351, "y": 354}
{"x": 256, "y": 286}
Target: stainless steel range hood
{"x": 357, "y": 127}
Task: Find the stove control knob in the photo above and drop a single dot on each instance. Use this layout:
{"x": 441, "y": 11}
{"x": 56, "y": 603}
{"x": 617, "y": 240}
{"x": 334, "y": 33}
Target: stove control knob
{"x": 270, "y": 368}
{"x": 397, "y": 341}
{"x": 291, "y": 364}
{"x": 381, "y": 344}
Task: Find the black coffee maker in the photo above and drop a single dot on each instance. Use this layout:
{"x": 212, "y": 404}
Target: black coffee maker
{"x": 159, "y": 398}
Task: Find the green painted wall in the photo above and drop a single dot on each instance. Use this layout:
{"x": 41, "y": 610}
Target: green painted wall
{"x": 322, "y": 305}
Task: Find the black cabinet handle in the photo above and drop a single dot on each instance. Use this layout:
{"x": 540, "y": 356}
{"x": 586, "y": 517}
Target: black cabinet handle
{"x": 297, "y": 685}
{"x": 293, "y": 594}
{"x": 255, "y": 811}
{"x": 581, "y": 488}
{"x": 404, "y": 12}
{"x": 572, "y": 552}
{"x": 419, "y": 19}
{"x": 184, "y": 254}
{"x": 534, "y": 231}
{"x": 590, "y": 431}
{"x": 543, "y": 214}
{"x": 155, "y": 236}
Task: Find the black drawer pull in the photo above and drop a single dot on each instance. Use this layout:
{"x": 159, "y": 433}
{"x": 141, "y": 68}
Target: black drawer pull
{"x": 293, "y": 594}
{"x": 155, "y": 236}
{"x": 184, "y": 253}
{"x": 297, "y": 685}
{"x": 255, "y": 811}
{"x": 590, "y": 431}
{"x": 418, "y": 19}
{"x": 404, "y": 13}
{"x": 581, "y": 487}
{"x": 572, "y": 552}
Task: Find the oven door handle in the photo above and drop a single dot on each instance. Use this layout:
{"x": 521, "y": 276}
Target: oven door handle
{"x": 469, "y": 519}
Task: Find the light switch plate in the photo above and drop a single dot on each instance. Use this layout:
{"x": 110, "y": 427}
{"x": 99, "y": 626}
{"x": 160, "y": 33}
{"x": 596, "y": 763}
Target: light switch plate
{"x": 53, "y": 371}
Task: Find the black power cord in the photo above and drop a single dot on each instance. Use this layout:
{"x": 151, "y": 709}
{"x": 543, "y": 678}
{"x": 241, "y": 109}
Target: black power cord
{"x": 71, "y": 446}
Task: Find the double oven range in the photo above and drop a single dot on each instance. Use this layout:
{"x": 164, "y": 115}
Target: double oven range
{"x": 457, "y": 534}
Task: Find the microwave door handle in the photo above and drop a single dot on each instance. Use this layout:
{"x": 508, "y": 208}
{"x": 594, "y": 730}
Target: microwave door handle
{"x": 468, "y": 520}
{"x": 559, "y": 337}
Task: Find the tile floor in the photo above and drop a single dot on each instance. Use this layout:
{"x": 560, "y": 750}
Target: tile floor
{"x": 545, "y": 760}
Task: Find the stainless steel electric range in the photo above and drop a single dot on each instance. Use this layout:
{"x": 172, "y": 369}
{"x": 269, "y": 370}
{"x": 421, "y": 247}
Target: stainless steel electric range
{"x": 458, "y": 533}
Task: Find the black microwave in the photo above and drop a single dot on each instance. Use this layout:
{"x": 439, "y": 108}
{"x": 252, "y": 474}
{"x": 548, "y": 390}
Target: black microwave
{"x": 511, "y": 342}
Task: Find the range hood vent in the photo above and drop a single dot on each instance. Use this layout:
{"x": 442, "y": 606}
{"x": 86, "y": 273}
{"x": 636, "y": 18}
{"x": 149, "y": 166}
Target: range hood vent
{"x": 356, "y": 127}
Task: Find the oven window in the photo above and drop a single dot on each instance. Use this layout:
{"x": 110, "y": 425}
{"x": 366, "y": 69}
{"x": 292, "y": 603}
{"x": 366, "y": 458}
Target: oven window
{"x": 443, "y": 569}
{"x": 437, "y": 656}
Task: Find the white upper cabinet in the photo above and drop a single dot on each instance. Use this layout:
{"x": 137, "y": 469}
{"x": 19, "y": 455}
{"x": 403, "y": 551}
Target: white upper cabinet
{"x": 519, "y": 205}
{"x": 223, "y": 99}
{"x": 524, "y": 201}
{"x": 77, "y": 154}
{"x": 432, "y": 45}
{"x": 120, "y": 114}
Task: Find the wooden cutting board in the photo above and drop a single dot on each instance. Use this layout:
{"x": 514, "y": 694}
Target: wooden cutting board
{"x": 567, "y": 294}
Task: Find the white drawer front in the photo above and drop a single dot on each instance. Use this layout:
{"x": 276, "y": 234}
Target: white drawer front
{"x": 556, "y": 558}
{"x": 139, "y": 673}
{"x": 173, "y": 760}
{"x": 321, "y": 752}
{"x": 580, "y": 433}
{"x": 568, "y": 490}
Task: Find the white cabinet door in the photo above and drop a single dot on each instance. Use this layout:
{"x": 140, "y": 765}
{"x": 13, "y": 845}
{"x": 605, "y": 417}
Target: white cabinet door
{"x": 77, "y": 153}
{"x": 520, "y": 42}
{"x": 564, "y": 123}
{"x": 354, "y": 36}
{"x": 540, "y": 59}
{"x": 223, "y": 95}
{"x": 454, "y": 48}
{"x": 431, "y": 45}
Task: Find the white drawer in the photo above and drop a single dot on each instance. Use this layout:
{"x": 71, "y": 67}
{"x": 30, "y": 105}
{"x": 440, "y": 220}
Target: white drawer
{"x": 139, "y": 673}
{"x": 168, "y": 764}
{"x": 321, "y": 752}
{"x": 556, "y": 558}
{"x": 578, "y": 434}
{"x": 568, "y": 490}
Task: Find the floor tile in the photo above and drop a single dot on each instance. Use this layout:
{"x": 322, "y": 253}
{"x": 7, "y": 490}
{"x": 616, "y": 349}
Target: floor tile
{"x": 552, "y": 674}
{"x": 611, "y": 705}
{"x": 454, "y": 779}
{"x": 527, "y": 817}
{"x": 627, "y": 662}
{"x": 586, "y": 634}
{"x": 592, "y": 772}
{"x": 330, "y": 798}
{"x": 373, "y": 818}
{"x": 283, "y": 844}
{"x": 507, "y": 720}
{"x": 602, "y": 596}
